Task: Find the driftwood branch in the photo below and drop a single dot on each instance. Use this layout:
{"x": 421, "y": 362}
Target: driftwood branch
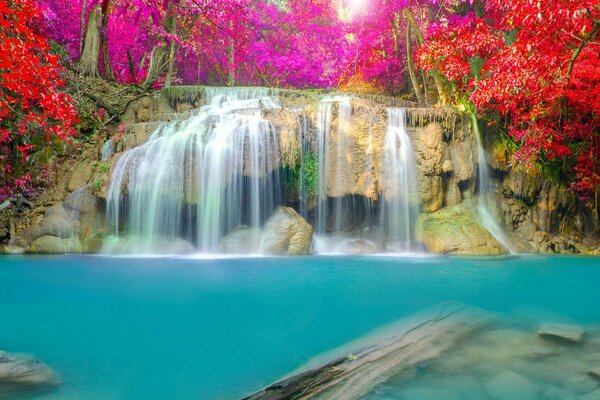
{"x": 400, "y": 348}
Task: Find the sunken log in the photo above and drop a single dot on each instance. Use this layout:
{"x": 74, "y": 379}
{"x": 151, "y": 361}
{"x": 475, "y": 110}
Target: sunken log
{"x": 389, "y": 352}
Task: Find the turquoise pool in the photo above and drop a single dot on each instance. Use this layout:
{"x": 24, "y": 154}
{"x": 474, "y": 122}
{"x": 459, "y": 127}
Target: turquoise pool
{"x": 184, "y": 328}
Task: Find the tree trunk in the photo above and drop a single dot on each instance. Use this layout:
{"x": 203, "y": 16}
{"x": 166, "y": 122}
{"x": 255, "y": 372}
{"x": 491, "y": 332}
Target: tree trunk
{"x": 410, "y": 19}
{"x": 131, "y": 65}
{"x": 88, "y": 63}
{"x": 104, "y": 40}
{"x": 231, "y": 60}
{"x": 158, "y": 63}
{"x": 83, "y": 27}
{"x": 171, "y": 66}
{"x": 159, "y": 57}
{"x": 411, "y": 67}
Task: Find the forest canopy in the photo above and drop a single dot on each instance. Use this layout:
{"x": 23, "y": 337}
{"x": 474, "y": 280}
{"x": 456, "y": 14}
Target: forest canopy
{"x": 530, "y": 68}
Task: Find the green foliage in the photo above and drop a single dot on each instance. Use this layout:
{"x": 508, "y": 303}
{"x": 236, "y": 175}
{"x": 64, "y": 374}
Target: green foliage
{"x": 304, "y": 176}
{"x": 98, "y": 184}
{"x": 310, "y": 174}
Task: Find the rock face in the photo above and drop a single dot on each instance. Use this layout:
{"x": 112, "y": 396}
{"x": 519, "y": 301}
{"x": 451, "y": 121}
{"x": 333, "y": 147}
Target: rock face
{"x": 455, "y": 230}
{"x": 54, "y": 245}
{"x": 72, "y": 226}
{"x": 286, "y": 233}
{"x": 24, "y": 370}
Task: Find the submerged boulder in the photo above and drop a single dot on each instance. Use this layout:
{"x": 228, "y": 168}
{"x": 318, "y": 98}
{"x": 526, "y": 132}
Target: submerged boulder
{"x": 24, "y": 370}
{"x": 241, "y": 240}
{"x": 286, "y": 233}
{"x": 561, "y": 332}
{"x": 511, "y": 386}
{"x": 456, "y": 230}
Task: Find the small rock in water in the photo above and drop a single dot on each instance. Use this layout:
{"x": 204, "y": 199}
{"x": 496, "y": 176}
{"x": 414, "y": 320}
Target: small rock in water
{"x": 595, "y": 373}
{"x": 511, "y": 386}
{"x": 22, "y": 370}
{"x": 570, "y": 333}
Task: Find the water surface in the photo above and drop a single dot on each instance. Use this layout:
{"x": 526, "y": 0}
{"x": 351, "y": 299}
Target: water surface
{"x": 183, "y": 328}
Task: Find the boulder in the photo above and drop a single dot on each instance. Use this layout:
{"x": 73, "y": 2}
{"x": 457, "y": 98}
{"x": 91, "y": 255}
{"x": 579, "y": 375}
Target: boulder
{"x": 511, "y": 386}
{"x": 561, "y": 332}
{"x": 24, "y": 370}
{"x": 242, "y": 240}
{"x": 286, "y": 233}
{"x": 57, "y": 222}
{"x": 54, "y": 245}
{"x": 456, "y": 230}
{"x": 82, "y": 200}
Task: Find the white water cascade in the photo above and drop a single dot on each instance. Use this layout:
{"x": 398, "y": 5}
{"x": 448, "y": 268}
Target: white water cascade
{"x": 199, "y": 178}
{"x": 334, "y": 164}
{"x": 400, "y": 191}
{"x": 486, "y": 217}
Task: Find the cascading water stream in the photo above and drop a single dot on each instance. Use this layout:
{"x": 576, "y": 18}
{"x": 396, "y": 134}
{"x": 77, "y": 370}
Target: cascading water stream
{"x": 331, "y": 171}
{"x": 487, "y": 218}
{"x": 198, "y": 179}
{"x": 108, "y": 149}
{"x": 400, "y": 208}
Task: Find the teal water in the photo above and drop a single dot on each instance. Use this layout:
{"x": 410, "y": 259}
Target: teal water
{"x": 177, "y": 328}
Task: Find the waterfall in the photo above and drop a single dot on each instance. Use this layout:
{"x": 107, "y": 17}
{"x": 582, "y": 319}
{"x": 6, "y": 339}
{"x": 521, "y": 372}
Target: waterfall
{"x": 401, "y": 205}
{"x": 108, "y": 149}
{"x": 200, "y": 178}
{"x": 303, "y": 125}
{"x": 486, "y": 216}
{"x": 332, "y": 160}
{"x": 241, "y": 95}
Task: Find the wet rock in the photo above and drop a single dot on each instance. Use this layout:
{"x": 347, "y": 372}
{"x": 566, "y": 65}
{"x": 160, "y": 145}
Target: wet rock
{"x": 464, "y": 159}
{"x": 286, "y": 232}
{"x": 456, "y": 230}
{"x": 24, "y": 370}
{"x": 561, "y": 332}
{"x": 242, "y": 240}
{"x": 595, "y": 373}
{"x": 86, "y": 208}
{"x": 511, "y": 386}
{"x": 54, "y": 245}
{"x": 359, "y": 246}
{"x": 57, "y": 222}
{"x": 453, "y": 195}
{"x": 11, "y": 249}
{"x": 82, "y": 200}
{"x": 429, "y": 151}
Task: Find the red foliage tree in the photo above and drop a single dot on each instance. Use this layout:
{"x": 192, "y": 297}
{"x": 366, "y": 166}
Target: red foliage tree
{"x": 33, "y": 113}
{"x": 536, "y": 65}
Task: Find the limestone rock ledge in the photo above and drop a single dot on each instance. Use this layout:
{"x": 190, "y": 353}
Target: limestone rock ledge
{"x": 456, "y": 231}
